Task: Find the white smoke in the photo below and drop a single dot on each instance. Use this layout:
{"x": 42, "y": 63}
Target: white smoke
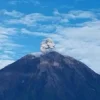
{"x": 47, "y": 45}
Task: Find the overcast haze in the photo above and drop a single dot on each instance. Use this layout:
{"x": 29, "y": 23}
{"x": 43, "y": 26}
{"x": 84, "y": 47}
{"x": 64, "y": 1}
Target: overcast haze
{"x": 74, "y": 25}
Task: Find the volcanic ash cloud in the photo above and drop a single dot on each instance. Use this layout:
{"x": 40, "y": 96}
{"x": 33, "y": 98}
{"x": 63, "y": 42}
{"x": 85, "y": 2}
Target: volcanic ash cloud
{"x": 47, "y": 45}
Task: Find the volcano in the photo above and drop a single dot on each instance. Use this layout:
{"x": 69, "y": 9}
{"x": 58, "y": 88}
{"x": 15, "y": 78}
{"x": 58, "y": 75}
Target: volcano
{"x": 50, "y": 76}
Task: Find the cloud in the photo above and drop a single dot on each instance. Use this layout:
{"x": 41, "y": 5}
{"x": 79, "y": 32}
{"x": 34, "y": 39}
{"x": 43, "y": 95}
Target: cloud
{"x": 33, "y": 19}
{"x": 47, "y": 45}
{"x": 7, "y": 45}
{"x": 73, "y": 14}
{"x": 81, "y": 14}
{"x": 7, "y": 31}
{"x": 36, "y": 19}
{"x": 80, "y": 41}
{"x": 4, "y": 63}
{"x": 12, "y": 13}
{"x": 76, "y": 33}
{"x": 17, "y": 2}
{"x": 25, "y": 31}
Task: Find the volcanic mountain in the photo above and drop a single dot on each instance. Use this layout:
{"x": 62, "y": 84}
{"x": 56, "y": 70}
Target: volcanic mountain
{"x": 49, "y": 76}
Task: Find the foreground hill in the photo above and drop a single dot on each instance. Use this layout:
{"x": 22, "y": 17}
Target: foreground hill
{"x": 51, "y": 76}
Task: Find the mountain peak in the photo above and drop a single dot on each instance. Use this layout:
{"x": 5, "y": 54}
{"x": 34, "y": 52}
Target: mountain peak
{"x": 35, "y": 54}
{"x": 40, "y": 54}
{"x": 48, "y": 76}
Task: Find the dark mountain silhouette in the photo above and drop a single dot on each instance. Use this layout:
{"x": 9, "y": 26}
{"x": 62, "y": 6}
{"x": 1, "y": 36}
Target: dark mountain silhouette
{"x": 51, "y": 76}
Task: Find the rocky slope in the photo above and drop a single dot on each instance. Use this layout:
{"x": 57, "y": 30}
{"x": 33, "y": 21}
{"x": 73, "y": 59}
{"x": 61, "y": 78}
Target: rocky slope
{"x": 51, "y": 76}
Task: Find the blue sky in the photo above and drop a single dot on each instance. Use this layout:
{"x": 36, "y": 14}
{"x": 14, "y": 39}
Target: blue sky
{"x": 74, "y": 25}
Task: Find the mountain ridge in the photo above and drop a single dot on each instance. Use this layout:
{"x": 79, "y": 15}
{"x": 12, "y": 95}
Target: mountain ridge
{"x": 50, "y": 76}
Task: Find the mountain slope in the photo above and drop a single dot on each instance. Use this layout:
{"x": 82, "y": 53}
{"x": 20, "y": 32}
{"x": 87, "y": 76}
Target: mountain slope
{"x": 51, "y": 76}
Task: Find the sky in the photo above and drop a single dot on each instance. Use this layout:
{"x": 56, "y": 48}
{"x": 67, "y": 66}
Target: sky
{"x": 74, "y": 26}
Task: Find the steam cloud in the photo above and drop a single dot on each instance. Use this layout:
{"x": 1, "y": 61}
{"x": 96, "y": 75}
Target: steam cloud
{"x": 47, "y": 45}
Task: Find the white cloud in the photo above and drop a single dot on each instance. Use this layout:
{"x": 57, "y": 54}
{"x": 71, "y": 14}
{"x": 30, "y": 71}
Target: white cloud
{"x": 17, "y": 2}
{"x": 81, "y": 14}
{"x": 79, "y": 40}
{"x": 4, "y": 63}
{"x": 76, "y": 14}
{"x": 7, "y": 45}
{"x": 5, "y": 34}
{"x": 7, "y": 31}
{"x": 82, "y": 42}
{"x": 25, "y": 31}
{"x": 12, "y": 13}
{"x": 35, "y": 19}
